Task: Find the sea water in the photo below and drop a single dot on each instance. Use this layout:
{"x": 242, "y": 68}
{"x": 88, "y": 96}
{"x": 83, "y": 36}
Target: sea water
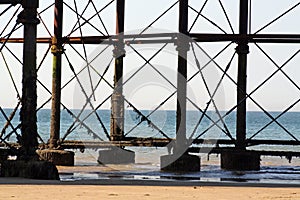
{"x": 259, "y": 124}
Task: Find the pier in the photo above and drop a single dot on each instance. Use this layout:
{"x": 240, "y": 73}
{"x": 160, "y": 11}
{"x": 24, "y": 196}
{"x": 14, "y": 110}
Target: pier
{"x": 64, "y": 35}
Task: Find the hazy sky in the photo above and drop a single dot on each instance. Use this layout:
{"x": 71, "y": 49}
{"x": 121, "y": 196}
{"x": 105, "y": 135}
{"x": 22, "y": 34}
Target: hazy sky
{"x": 147, "y": 90}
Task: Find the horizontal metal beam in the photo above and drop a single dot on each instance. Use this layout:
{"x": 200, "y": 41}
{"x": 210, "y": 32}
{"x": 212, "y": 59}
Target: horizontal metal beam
{"x": 248, "y": 142}
{"x": 251, "y": 38}
{"x": 216, "y": 150}
{"x": 219, "y": 150}
{"x": 272, "y": 142}
{"x": 170, "y": 38}
{"x": 10, "y": 1}
{"x": 71, "y": 40}
{"x": 162, "y": 142}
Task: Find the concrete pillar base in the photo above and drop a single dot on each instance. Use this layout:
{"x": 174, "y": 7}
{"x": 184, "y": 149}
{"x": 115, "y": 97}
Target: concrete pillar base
{"x": 4, "y": 154}
{"x": 240, "y": 160}
{"x": 184, "y": 163}
{"x": 57, "y": 157}
{"x": 29, "y": 169}
{"x": 116, "y": 156}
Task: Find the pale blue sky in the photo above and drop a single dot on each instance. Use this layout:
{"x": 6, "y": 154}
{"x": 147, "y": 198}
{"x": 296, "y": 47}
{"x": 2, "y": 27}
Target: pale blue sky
{"x": 277, "y": 94}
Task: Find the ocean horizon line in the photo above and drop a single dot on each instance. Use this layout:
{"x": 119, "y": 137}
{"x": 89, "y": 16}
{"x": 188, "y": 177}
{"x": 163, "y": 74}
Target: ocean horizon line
{"x": 106, "y": 109}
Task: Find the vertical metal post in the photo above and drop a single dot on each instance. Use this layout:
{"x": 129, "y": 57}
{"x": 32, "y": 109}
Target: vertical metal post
{"x": 28, "y": 116}
{"x": 117, "y": 100}
{"x": 242, "y": 50}
{"x": 182, "y": 48}
{"x": 57, "y": 50}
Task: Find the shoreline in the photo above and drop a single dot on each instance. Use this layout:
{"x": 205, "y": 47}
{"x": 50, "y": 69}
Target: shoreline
{"x": 132, "y": 182}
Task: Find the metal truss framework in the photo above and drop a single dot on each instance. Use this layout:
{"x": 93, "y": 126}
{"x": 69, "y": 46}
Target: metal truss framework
{"x": 60, "y": 44}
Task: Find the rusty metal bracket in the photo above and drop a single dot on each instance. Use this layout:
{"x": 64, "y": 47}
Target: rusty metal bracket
{"x": 56, "y": 48}
{"x": 119, "y": 50}
{"x": 242, "y": 48}
{"x": 27, "y": 17}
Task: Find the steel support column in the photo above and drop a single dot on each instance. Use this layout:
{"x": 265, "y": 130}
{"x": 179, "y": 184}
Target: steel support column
{"x": 182, "y": 48}
{"x": 117, "y": 100}
{"x": 242, "y": 50}
{"x": 57, "y": 50}
{"x": 181, "y": 160}
{"x": 28, "y": 116}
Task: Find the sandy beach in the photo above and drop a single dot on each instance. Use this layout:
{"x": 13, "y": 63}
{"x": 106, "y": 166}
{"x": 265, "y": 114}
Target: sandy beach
{"x": 24, "y": 189}
{"x": 80, "y": 192}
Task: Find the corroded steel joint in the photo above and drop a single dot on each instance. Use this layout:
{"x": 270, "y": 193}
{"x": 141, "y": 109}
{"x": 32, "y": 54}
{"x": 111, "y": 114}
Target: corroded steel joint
{"x": 28, "y": 16}
{"x": 30, "y": 3}
{"x": 182, "y": 44}
{"x": 56, "y": 48}
{"x": 119, "y": 51}
{"x": 242, "y": 48}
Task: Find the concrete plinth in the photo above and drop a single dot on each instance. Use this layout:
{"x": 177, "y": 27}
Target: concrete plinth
{"x": 3, "y": 154}
{"x": 184, "y": 163}
{"x": 240, "y": 160}
{"x": 116, "y": 156}
{"x": 57, "y": 157}
{"x": 29, "y": 169}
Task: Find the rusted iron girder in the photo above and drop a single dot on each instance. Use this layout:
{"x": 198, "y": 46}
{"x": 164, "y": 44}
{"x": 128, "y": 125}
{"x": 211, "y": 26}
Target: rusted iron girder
{"x": 182, "y": 48}
{"x": 57, "y": 50}
{"x": 28, "y": 118}
{"x": 117, "y": 99}
{"x": 170, "y": 38}
{"x": 215, "y": 150}
{"x": 157, "y": 142}
{"x": 242, "y": 50}
{"x": 13, "y": 2}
